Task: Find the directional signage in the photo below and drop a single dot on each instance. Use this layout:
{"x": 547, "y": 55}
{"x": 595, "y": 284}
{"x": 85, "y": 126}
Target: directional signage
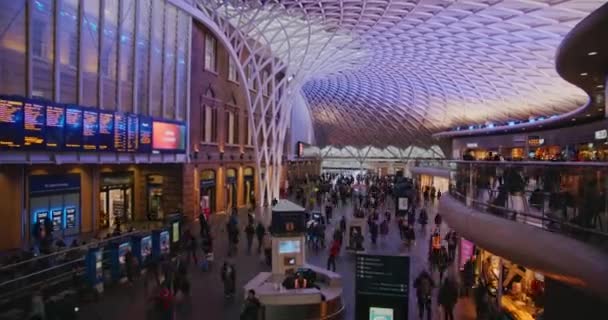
{"x": 382, "y": 287}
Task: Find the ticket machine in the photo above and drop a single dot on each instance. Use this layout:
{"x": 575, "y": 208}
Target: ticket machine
{"x": 160, "y": 243}
{"x": 94, "y": 268}
{"x": 142, "y": 248}
{"x": 118, "y": 250}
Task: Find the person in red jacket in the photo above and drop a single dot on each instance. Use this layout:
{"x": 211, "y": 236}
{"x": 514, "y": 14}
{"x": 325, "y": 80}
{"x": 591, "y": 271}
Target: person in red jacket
{"x": 334, "y": 250}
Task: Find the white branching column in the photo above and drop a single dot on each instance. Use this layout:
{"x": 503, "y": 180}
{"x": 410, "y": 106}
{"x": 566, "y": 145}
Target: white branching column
{"x": 278, "y": 48}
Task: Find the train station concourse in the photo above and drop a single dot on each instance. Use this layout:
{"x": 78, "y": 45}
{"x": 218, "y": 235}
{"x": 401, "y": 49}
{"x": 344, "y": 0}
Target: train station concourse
{"x": 303, "y": 159}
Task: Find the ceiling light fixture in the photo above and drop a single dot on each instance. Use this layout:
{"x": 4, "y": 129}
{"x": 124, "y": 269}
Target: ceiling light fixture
{"x": 592, "y": 53}
{"x": 600, "y": 86}
{"x": 584, "y": 74}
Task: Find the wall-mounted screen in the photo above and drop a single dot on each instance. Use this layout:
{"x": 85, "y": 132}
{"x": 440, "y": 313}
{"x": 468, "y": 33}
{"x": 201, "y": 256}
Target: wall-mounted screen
{"x": 70, "y": 218}
{"x": 11, "y": 123}
{"x": 167, "y": 136}
{"x": 41, "y": 216}
{"x": 34, "y": 115}
{"x": 55, "y": 122}
{"x": 164, "y": 242}
{"x": 57, "y": 215}
{"x": 146, "y": 246}
{"x": 145, "y": 134}
{"x": 132, "y": 131}
{"x": 120, "y": 132}
{"x": 289, "y": 246}
{"x": 73, "y": 128}
{"x": 106, "y": 131}
{"x": 90, "y": 130}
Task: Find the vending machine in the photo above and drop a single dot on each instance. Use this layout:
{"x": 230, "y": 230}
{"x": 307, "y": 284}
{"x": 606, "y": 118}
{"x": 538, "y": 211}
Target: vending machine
{"x": 142, "y": 248}
{"x": 161, "y": 243}
{"x": 118, "y": 251}
{"x": 94, "y": 268}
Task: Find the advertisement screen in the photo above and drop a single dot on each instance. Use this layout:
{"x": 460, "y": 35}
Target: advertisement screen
{"x": 380, "y": 313}
{"x": 73, "y": 128}
{"x": 41, "y": 216}
{"x": 289, "y": 246}
{"x": 33, "y": 125}
{"x": 55, "y": 121}
{"x": 164, "y": 242}
{"x": 120, "y": 132}
{"x": 106, "y": 131}
{"x": 90, "y": 130}
{"x": 145, "y": 134}
{"x": 466, "y": 252}
{"x": 11, "y": 123}
{"x": 123, "y": 248}
{"x": 168, "y": 136}
{"x": 146, "y": 246}
{"x": 70, "y": 217}
{"x": 57, "y": 219}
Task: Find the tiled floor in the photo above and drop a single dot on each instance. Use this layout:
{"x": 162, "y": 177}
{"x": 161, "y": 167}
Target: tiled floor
{"x": 207, "y": 301}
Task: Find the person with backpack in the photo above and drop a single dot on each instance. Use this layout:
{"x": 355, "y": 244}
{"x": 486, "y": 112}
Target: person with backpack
{"x": 447, "y": 298}
{"x": 249, "y": 233}
{"x": 424, "y": 285}
{"x": 328, "y": 212}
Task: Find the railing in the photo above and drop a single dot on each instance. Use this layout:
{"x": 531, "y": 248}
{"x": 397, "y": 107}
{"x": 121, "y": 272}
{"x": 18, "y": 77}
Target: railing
{"x": 439, "y": 164}
{"x": 565, "y": 197}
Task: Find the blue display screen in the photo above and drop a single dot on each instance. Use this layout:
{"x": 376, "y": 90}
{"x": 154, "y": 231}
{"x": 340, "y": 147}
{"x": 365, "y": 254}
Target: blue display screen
{"x": 164, "y": 242}
{"x": 106, "y": 131}
{"x": 90, "y": 130}
{"x": 11, "y": 123}
{"x": 34, "y": 115}
{"x": 132, "y": 130}
{"x": 145, "y": 135}
{"x": 120, "y": 132}
{"x": 73, "y": 128}
{"x": 55, "y": 122}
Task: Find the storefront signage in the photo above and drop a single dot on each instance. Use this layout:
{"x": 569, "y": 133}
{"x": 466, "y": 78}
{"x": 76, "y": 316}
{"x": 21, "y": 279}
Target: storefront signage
{"x": 43, "y": 125}
{"x": 519, "y": 138}
{"x": 117, "y": 180}
{"x": 41, "y": 184}
{"x": 535, "y": 141}
{"x": 207, "y": 183}
{"x": 70, "y": 218}
{"x": 466, "y": 252}
{"x": 601, "y": 134}
{"x": 472, "y": 145}
{"x": 382, "y": 286}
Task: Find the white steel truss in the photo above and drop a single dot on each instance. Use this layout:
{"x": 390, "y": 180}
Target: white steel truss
{"x": 392, "y": 72}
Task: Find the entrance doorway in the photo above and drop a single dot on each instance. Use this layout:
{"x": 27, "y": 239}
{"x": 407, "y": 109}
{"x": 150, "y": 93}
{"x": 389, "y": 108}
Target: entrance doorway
{"x": 249, "y": 193}
{"x": 116, "y": 199}
{"x": 231, "y": 195}
{"x": 207, "y": 188}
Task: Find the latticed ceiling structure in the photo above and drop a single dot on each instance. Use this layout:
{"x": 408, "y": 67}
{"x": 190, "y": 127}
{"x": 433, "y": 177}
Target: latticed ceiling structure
{"x": 385, "y": 72}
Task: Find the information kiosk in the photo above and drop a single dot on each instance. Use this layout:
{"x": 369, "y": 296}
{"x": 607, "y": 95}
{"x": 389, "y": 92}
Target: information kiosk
{"x": 293, "y": 289}
{"x": 94, "y": 269}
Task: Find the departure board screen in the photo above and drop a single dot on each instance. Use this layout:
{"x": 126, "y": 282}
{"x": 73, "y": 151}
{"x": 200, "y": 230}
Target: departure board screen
{"x": 11, "y": 123}
{"x": 73, "y": 128}
{"x": 55, "y": 121}
{"x": 132, "y": 130}
{"x": 120, "y": 132}
{"x": 106, "y": 131}
{"x": 33, "y": 125}
{"x": 145, "y": 134}
{"x": 90, "y": 130}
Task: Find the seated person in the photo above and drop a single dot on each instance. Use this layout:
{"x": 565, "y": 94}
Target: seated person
{"x": 300, "y": 282}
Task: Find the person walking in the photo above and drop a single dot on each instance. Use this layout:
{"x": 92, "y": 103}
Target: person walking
{"x": 249, "y": 233}
{"x": 229, "y": 279}
{"x": 259, "y": 232}
{"x": 374, "y": 231}
{"x": 251, "y": 307}
{"x": 447, "y": 298}
{"x": 342, "y": 224}
{"x": 424, "y": 285}
{"x": 438, "y": 220}
{"x": 452, "y": 240}
{"x": 192, "y": 247}
{"x": 334, "y": 250}
{"x": 268, "y": 249}
{"x": 442, "y": 262}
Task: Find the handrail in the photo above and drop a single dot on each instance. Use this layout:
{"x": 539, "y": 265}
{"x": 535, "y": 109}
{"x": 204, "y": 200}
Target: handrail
{"x": 536, "y": 163}
{"x": 569, "y": 225}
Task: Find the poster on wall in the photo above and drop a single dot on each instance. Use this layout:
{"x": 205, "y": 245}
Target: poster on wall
{"x": 402, "y": 203}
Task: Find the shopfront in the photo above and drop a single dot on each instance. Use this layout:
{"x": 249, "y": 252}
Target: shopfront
{"x": 207, "y": 189}
{"x": 440, "y": 183}
{"x": 116, "y": 198}
{"x": 516, "y": 290}
{"x": 249, "y": 194}
{"x": 231, "y": 189}
{"x": 154, "y": 188}
{"x": 54, "y": 205}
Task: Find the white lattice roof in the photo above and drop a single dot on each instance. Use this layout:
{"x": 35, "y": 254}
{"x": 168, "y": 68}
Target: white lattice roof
{"x": 389, "y": 72}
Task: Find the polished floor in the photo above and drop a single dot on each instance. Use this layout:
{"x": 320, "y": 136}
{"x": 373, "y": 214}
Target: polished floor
{"x": 207, "y": 301}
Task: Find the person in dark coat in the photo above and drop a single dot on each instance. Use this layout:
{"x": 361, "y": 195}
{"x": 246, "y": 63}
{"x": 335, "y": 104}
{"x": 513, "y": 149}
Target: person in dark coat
{"x": 424, "y": 285}
{"x": 448, "y": 296}
{"x": 251, "y": 307}
{"x": 229, "y": 279}
{"x": 249, "y": 233}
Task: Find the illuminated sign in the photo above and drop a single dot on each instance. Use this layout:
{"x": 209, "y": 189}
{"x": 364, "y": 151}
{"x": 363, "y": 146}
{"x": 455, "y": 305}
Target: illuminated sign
{"x": 11, "y": 122}
{"x": 90, "y": 130}
{"x": 601, "y": 134}
{"x": 55, "y": 121}
{"x": 145, "y": 135}
{"x": 535, "y": 141}
{"x": 120, "y": 132}
{"x": 33, "y": 125}
{"x": 73, "y": 129}
{"x": 168, "y": 136}
{"x": 106, "y": 131}
{"x": 472, "y": 145}
{"x": 132, "y": 131}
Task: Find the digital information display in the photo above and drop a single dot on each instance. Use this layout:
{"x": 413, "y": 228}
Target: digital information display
{"x": 70, "y": 218}
{"x": 90, "y": 130}
{"x": 41, "y": 216}
{"x": 11, "y": 122}
{"x": 106, "y": 131}
{"x": 145, "y": 135}
{"x": 168, "y": 136}
{"x": 73, "y": 129}
{"x": 57, "y": 219}
{"x": 132, "y": 130}
{"x": 120, "y": 132}
{"x": 382, "y": 286}
{"x": 34, "y": 125}
{"x": 55, "y": 121}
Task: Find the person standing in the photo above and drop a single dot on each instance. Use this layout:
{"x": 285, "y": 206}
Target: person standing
{"x": 438, "y": 221}
{"x": 442, "y": 262}
{"x": 268, "y": 248}
{"x": 342, "y": 224}
{"x": 251, "y": 307}
{"x": 334, "y": 250}
{"x": 447, "y": 298}
{"x": 249, "y": 233}
{"x": 259, "y": 232}
{"x": 452, "y": 241}
{"x": 374, "y": 231}
{"x": 229, "y": 279}
{"x": 328, "y": 212}
{"x": 424, "y": 285}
